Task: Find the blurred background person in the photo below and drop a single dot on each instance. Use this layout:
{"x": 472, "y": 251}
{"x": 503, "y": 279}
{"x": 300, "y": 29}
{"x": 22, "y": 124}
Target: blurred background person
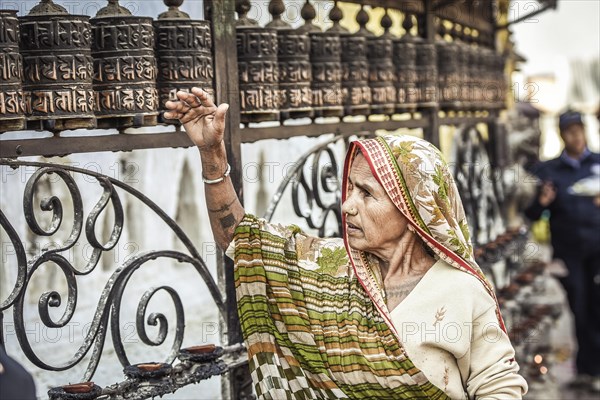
{"x": 569, "y": 187}
{"x": 15, "y": 382}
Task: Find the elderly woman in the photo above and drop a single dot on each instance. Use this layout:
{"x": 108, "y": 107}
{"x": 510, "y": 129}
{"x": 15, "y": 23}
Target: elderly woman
{"x": 396, "y": 309}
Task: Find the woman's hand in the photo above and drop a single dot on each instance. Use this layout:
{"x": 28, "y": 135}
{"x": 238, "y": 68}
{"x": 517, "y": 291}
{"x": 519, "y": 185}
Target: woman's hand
{"x": 203, "y": 121}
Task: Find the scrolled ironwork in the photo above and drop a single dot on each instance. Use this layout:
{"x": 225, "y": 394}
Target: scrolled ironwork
{"x": 54, "y": 205}
{"x": 474, "y": 177}
{"x": 21, "y": 256}
{"x": 107, "y": 313}
{"x": 321, "y": 188}
{"x": 108, "y": 194}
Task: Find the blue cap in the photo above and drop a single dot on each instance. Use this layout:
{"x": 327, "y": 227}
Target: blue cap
{"x": 569, "y": 118}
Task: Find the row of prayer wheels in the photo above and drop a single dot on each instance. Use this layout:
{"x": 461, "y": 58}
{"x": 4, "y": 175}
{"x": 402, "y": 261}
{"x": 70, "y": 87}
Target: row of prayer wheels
{"x": 60, "y": 71}
{"x": 306, "y": 72}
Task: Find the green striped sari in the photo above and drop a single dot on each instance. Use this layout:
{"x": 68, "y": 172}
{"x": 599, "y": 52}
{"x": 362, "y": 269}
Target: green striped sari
{"x": 311, "y": 329}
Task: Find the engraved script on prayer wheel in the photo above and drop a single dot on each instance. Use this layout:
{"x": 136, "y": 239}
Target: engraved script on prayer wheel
{"x": 58, "y": 67}
{"x": 356, "y": 93}
{"x": 258, "y": 69}
{"x": 184, "y": 54}
{"x": 124, "y": 68}
{"x": 405, "y": 58}
{"x": 463, "y": 58}
{"x": 295, "y": 74}
{"x": 326, "y": 66}
{"x": 325, "y": 59}
{"x": 381, "y": 70}
{"x": 476, "y": 72}
{"x": 293, "y": 55}
{"x": 427, "y": 78}
{"x": 448, "y": 71}
{"x": 12, "y": 116}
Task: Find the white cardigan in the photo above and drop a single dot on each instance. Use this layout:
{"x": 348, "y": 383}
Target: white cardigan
{"x": 449, "y": 329}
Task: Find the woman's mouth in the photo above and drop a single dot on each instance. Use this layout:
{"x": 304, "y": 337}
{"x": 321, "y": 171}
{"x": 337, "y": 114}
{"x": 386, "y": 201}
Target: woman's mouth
{"x": 351, "y": 228}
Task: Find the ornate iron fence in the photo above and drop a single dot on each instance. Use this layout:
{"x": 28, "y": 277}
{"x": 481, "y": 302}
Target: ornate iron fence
{"x": 147, "y": 380}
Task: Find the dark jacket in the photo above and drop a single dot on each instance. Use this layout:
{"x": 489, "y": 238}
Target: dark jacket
{"x": 15, "y": 382}
{"x": 574, "y": 219}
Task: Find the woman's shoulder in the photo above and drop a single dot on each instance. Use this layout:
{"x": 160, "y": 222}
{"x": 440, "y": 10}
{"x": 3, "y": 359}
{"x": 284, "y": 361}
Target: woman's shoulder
{"x": 461, "y": 286}
{"x": 322, "y": 255}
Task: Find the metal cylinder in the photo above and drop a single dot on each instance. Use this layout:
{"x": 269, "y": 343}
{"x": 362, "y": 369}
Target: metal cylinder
{"x": 58, "y": 67}
{"x": 124, "y": 70}
{"x": 258, "y": 73}
{"x": 427, "y": 78}
{"x": 12, "y": 117}
{"x": 464, "y": 81}
{"x": 448, "y": 74}
{"x": 295, "y": 74}
{"x": 473, "y": 81}
{"x": 325, "y": 60}
{"x": 405, "y": 60}
{"x": 381, "y": 74}
{"x": 356, "y": 93}
{"x": 184, "y": 56}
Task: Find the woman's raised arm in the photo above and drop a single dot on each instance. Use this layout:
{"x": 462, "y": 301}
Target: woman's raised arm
{"x": 204, "y": 123}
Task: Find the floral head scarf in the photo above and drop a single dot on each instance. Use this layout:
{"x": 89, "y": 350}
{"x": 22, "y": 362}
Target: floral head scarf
{"x": 418, "y": 181}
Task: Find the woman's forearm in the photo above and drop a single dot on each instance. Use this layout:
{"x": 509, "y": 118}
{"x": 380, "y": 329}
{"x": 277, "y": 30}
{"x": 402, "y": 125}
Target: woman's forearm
{"x": 224, "y": 208}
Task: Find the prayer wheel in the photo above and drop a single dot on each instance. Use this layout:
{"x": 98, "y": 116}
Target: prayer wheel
{"x": 12, "y": 117}
{"x": 184, "y": 54}
{"x": 448, "y": 71}
{"x": 462, "y": 65}
{"x": 405, "y": 60}
{"x": 356, "y": 93}
{"x": 258, "y": 68}
{"x": 293, "y": 57}
{"x": 381, "y": 68}
{"x": 124, "y": 68}
{"x": 326, "y": 66}
{"x": 472, "y": 73}
{"x": 58, "y": 68}
{"x": 427, "y": 78}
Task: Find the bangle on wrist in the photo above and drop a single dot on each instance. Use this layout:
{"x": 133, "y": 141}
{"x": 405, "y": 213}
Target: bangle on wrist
{"x": 218, "y": 180}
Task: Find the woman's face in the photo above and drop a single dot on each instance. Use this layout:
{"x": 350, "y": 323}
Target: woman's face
{"x": 373, "y": 222}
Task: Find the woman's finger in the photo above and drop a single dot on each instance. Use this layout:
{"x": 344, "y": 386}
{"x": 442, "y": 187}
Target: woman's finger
{"x": 178, "y": 106}
{"x": 173, "y": 115}
{"x": 204, "y": 98}
{"x": 189, "y": 99}
{"x": 219, "y": 121}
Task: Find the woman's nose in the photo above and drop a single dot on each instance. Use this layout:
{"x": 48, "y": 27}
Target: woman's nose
{"x": 347, "y": 205}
